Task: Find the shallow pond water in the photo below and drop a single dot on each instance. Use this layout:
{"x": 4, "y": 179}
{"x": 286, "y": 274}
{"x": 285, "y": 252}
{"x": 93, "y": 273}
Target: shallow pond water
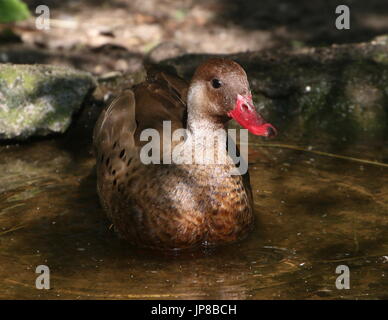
{"x": 313, "y": 214}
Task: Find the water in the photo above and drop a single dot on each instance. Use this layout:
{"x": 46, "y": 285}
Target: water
{"x": 313, "y": 214}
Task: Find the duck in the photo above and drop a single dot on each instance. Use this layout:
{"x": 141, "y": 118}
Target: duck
{"x": 181, "y": 204}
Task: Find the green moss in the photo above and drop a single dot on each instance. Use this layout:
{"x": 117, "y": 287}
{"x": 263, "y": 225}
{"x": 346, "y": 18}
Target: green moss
{"x": 381, "y": 57}
{"x": 19, "y": 79}
{"x": 39, "y": 99}
{"x": 13, "y": 10}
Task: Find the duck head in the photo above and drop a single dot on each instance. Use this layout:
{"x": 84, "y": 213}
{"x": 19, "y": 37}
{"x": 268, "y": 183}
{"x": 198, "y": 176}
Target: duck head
{"x": 219, "y": 91}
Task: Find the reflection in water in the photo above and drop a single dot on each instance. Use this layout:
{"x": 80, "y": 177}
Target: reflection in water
{"x": 313, "y": 213}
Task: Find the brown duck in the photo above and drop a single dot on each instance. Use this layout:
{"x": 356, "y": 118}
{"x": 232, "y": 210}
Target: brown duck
{"x": 178, "y": 205}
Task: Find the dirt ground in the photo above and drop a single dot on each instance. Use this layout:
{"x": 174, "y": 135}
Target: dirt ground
{"x": 102, "y": 36}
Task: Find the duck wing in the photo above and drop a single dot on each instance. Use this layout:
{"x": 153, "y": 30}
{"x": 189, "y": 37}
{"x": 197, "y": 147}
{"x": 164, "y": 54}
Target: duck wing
{"x": 114, "y": 144}
{"x": 162, "y": 97}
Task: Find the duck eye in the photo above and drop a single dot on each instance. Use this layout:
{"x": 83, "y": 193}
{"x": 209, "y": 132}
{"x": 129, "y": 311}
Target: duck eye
{"x": 216, "y": 83}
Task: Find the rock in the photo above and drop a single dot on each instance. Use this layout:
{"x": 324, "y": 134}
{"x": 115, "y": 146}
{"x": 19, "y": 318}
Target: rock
{"x": 165, "y": 50}
{"x": 336, "y": 95}
{"x": 37, "y": 100}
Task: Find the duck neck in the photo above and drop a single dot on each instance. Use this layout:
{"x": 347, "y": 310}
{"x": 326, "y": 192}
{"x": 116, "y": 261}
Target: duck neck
{"x": 207, "y": 139}
{"x": 200, "y": 126}
{"x": 207, "y": 135}
{"x": 199, "y": 122}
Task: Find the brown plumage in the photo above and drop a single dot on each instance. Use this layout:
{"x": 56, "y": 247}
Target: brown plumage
{"x": 175, "y": 205}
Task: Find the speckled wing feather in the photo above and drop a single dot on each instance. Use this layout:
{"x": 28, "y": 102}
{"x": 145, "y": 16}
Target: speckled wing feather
{"x": 114, "y": 143}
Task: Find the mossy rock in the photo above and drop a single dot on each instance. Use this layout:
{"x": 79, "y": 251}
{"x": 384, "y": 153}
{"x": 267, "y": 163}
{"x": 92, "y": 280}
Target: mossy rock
{"x": 37, "y": 100}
